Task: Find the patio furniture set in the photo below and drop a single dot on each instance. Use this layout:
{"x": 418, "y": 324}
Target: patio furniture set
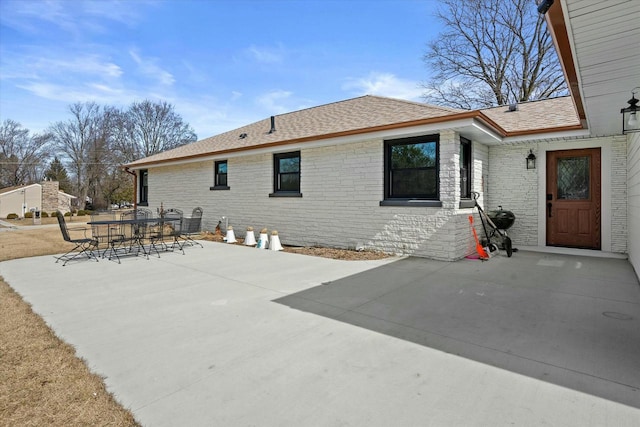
{"x": 131, "y": 233}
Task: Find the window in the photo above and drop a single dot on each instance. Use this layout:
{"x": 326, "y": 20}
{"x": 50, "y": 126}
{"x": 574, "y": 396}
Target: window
{"x": 465, "y": 168}
{"x": 411, "y": 168}
{"x": 220, "y": 176}
{"x": 144, "y": 187}
{"x": 286, "y": 174}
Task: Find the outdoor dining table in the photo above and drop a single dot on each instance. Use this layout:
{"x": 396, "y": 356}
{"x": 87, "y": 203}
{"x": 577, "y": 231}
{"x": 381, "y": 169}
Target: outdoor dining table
{"x": 137, "y": 232}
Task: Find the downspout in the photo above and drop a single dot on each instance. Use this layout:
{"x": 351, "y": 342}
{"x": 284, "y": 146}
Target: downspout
{"x": 135, "y": 187}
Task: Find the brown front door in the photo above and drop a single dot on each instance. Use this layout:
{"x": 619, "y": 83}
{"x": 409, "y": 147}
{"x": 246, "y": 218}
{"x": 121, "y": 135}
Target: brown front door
{"x": 573, "y": 198}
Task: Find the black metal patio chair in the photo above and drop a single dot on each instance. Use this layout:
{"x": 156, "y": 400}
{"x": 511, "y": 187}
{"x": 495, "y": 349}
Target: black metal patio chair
{"x": 190, "y": 227}
{"x": 130, "y": 235}
{"x": 171, "y": 228}
{"x": 83, "y": 246}
{"x": 103, "y": 232}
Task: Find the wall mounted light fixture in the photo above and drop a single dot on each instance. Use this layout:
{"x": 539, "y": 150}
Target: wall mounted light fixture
{"x": 544, "y": 6}
{"x": 531, "y": 160}
{"x": 630, "y": 122}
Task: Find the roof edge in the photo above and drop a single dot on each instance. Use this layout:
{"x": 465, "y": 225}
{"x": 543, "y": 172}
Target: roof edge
{"x": 557, "y": 26}
{"x": 475, "y": 114}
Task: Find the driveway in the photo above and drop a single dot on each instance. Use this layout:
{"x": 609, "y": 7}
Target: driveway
{"x": 228, "y": 335}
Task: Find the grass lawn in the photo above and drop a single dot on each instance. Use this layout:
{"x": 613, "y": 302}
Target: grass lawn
{"x": 42, "y": 382}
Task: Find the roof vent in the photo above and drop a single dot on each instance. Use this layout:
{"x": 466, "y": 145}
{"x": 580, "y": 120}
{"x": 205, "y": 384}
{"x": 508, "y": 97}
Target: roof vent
{"x": 513, "y": 107}
{"x": 243, "y": 135}
{"x": 273, "y": 124}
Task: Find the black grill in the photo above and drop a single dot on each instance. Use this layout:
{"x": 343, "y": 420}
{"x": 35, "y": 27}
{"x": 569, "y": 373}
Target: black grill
{"x": 501, "y": 218}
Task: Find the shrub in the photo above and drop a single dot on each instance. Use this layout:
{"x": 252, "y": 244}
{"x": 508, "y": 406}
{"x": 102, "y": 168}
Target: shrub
{"x": 67, "y": 214}
{"x": 12, "y": 216}
{"x": 81, "y": 212}
{"x": 54, "y": 214}
{"x": 28, "y": 214}
{"x": 44, "y": 214}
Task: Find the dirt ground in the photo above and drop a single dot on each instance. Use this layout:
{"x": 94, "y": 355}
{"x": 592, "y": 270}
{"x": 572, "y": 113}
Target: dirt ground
{"x": 42, "y": 382}
{"x": 343, "y": 254}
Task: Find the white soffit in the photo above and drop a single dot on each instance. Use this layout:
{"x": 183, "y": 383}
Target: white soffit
{"x": 605, "y": 40}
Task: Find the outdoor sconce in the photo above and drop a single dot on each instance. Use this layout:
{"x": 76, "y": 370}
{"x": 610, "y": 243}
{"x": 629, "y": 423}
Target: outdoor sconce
{"x": 544, "y": 6}
{"x": 630, "y": 115}
{"x": 531, "y": 160}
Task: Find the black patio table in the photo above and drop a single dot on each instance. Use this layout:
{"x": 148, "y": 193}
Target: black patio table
{"x": 134, "y": 231}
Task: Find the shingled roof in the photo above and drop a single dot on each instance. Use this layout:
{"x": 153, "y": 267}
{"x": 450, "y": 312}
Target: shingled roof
{"x": 362, "y": 115}
{"x": 534, "y": 116}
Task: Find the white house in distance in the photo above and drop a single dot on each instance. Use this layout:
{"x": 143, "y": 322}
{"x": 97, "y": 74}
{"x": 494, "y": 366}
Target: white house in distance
{"x": 44, "y": 196}
{"x": 396, "y": 176}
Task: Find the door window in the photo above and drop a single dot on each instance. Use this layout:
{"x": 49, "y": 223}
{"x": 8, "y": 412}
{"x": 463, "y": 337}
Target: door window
{"x": 573, "y": 178}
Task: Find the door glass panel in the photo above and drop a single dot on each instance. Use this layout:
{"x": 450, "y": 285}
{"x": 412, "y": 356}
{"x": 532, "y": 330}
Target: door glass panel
{"x": 573, "y": 178}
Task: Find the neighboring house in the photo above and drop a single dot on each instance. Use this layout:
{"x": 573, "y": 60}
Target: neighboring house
{"x": 44, "y": 196}
{"x": 396, "y": 176}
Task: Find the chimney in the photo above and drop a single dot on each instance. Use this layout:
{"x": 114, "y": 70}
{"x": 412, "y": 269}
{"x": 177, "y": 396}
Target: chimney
{"x": 273, "y": 124}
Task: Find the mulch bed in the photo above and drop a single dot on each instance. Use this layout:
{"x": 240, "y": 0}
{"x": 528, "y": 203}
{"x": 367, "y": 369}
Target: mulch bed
{"x": 333, "y": 253}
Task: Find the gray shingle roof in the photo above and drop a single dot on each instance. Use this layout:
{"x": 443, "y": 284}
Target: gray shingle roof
{"x": 362, "y": 115}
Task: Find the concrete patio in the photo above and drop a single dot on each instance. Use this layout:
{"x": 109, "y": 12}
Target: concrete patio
{"x": 228, "y": 335}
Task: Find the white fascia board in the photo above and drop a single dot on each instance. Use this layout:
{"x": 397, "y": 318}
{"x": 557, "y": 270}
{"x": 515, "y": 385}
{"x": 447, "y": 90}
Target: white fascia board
{"x": 23, "y": 188}
{"x": 579, "y": 133}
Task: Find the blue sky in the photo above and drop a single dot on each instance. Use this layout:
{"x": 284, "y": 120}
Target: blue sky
{"x": 221, "y": 63}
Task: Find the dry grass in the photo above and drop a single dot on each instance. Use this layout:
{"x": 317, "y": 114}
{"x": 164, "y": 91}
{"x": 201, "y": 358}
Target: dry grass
{"x": 42, "y": 382}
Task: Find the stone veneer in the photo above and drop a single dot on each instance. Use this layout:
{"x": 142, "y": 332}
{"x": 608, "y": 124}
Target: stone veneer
{"x": 50, "y": 196}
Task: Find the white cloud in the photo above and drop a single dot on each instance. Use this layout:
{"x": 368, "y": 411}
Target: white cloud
{"x": 149, "y": 68}
{"x": 274, "y": 101}
{"x": 265, "y": 55}
{"x": 75, "y": 17}
{"x": 384, "y": 84}
{"x": 70, "y": 94}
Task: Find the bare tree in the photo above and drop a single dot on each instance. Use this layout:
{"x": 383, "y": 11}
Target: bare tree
{"x": 84, "y": 141}
{"x": 22, "y": 156}
{"x": 491, "y": 53}
{"x": 152, "y": 127}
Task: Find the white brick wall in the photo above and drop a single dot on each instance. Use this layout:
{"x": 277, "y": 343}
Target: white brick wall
{"x": 342, "y": 187}
{"x": 619, "y": 195}
{"x": 633, "y": 191}
{"x": 515, "y": 188}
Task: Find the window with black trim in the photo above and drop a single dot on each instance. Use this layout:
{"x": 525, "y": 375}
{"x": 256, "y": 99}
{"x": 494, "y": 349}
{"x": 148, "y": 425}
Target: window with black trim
{"x": 220, "y": 176}
{"x": 286, "y": 173}
{"x": 411, "y": 168}
{"x": 143, "y": 198}
{"x": 465, "y": 168}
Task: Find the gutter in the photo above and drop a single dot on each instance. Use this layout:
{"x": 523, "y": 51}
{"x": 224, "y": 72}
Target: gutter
{"x": 474, "y": 115}
{"x": 135, "y": 186}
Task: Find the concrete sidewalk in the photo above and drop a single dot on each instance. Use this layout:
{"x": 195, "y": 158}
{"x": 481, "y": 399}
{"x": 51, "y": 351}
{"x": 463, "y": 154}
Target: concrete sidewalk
{"x": 228, "y": 335}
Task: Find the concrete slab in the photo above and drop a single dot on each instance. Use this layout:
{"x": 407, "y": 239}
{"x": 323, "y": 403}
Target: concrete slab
{"x": 228, "y": 335}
